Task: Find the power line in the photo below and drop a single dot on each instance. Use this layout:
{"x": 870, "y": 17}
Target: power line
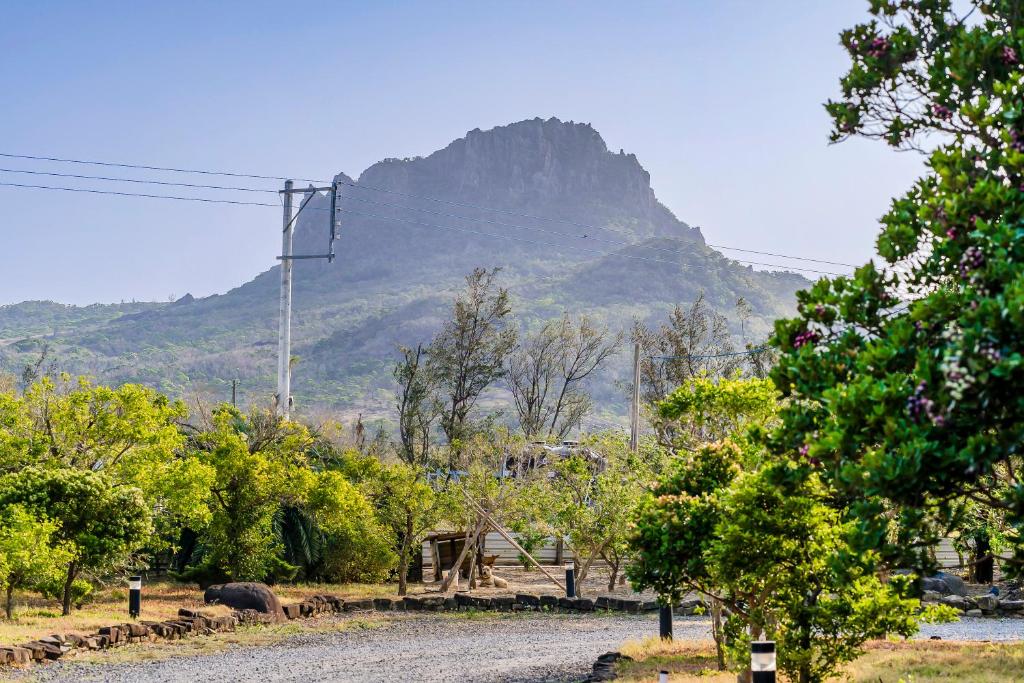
{"x": 169, "y": 169}
{"x": 570, "y": 222}
{"x": 135, "y": 180}
{"x": 748, "y": 352}
{"x": 139, "y": 194}
{"x": 558, "y": 232}
{"x": 386, "y": 218}
{"x": 413, "y": 196}
{"x": 552, "y": 244}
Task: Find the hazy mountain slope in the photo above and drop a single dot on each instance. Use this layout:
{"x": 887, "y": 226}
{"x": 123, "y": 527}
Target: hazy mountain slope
{"x": 401, "y": 258}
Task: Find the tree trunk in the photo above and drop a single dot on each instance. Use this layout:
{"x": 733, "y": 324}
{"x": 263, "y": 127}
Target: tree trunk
{"x": 70, "y": 579}
{"x": 10, "y": 601}
{"x": 403, "y": 566}
{"x": 613, "y": 577}
{"x": 716, "y": 631}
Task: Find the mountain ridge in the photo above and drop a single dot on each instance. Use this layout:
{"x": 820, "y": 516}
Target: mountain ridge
{"x": 404, "y": 247}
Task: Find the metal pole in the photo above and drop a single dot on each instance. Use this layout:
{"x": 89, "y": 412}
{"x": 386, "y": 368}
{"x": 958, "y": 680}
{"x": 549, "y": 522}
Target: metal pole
{"x": 284, "y": 336}
{"x": 134, "y": 596}
{"x": 762, "y": 661}
{"x": 234, "y": 394}
{"x": 665, "y": 622}
{"x": 570, "y": 579}
{"x": 634, "y": 413}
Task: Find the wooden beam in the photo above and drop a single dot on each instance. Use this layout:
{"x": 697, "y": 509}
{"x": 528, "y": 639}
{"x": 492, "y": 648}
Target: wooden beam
{"x": 497, "y": 527}
{"x": 470, "y": 540}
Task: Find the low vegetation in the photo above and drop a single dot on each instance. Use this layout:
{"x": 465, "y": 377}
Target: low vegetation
{"x": 883, "y": 662}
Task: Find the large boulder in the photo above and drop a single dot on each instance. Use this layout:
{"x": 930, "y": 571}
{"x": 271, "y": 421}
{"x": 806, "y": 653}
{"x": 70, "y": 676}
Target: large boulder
{"x": 246, "y": 595}
{"x": 945, "y": 584}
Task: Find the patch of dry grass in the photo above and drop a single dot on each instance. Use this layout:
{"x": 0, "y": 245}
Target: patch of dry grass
{"x": 243, "y": 636}
{"x": 35, "y": 616}
{"x": 884, "y": 662}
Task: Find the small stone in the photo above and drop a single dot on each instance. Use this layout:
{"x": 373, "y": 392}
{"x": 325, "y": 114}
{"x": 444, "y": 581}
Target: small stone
{"x": 974, "y": 613}
{"x": 986, "y": 603}
{"x": 383, "y": 604}
{"x": 292, "y": 611}
{"x": 955, "y": 601}
{"x": 528, "y": 599}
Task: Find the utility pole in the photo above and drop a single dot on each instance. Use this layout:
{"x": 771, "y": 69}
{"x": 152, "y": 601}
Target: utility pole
{"x": 284, "y": 331}
{"x": 283, "y": 399}
{"x": 234, "y": 395}
{"x": 634, "y": 409}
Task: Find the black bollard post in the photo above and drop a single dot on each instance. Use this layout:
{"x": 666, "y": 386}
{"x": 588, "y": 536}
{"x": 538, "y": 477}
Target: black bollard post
{"x": 762, "y": 661}
{"x": 134, "y": 596}
{"x": 665, "y": 621}
{"x": 570, "y": 579}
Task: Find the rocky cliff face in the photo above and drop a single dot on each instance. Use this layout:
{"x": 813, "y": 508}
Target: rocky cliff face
{"x": 562, "y": 171}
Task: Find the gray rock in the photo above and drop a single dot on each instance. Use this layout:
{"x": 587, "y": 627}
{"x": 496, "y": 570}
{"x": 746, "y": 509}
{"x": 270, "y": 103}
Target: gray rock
{"x": 246, "y": 595}
{"x": 956, "y": 601}
{"x": 974, "y": 613}
{"x": 986, "y": 603}
{"x": 944, "y": 584}
{"x": 1011, "y": 605}
{"x": 931, "y": 596}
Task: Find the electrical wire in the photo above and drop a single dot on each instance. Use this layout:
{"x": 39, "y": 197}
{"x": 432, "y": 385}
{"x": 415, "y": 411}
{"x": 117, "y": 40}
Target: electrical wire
{"x": 552, "y": 244}
{"x": 372, "y": 188}
{"x": 748, "y": 352}
{"x": 136, "y": 180}
{"x": 585, "y": 226}
{"x": 558, "y": 232}
{"x": 385, "y": 218}
{"x": 155, "y": 168}
{"x": 139, "y": 194}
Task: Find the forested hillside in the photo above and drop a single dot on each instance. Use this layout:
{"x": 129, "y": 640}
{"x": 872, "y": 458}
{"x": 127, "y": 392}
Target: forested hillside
{"x": 574, "y": 226}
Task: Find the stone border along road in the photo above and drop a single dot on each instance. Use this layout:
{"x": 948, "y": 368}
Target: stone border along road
{"x": 418, "y": 647}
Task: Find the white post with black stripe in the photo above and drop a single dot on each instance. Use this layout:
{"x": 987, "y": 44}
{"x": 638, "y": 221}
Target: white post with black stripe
{"x": 762, "y": 661}
{"x": 134, "y": 596}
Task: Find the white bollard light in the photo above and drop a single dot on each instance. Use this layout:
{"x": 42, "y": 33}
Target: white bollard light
{"x": 762, "y": 661}
{"x": 570, "y": 579}
{"x": 662, "y": 677}
{"x": 134, "y": 596}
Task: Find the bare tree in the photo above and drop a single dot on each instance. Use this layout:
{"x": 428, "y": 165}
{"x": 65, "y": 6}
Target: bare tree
{"x": 546, "y": 373}
{"x": 695, "y": 341}
{"x": 417, "y": 408}
{"x": 468, "y": 354}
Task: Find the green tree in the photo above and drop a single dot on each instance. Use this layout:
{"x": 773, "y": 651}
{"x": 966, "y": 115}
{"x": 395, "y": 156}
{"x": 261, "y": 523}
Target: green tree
{"x": 100, "y": 522}
{"x": 675, "y": 524}
{"x": 130, "y": 433}
{"x": 357, "y": 547}
{"x": 773, "y": 562}
{"x": 29, "y": 555}
{"x": 904, "y": 378}
{"x": 260, "y": 464}
{"x": 468, "y": 354}
{"x": 592, "y": 499}
{"x": 707, "y": 409}
{"x": 408, "y": 507}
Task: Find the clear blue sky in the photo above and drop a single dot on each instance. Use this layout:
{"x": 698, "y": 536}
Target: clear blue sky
{"x": 720, "y": 100}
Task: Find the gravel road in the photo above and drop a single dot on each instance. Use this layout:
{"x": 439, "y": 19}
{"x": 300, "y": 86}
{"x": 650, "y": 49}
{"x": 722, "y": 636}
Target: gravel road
{"x": 534, "y": 647}
{"x": 505, "y": 648}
